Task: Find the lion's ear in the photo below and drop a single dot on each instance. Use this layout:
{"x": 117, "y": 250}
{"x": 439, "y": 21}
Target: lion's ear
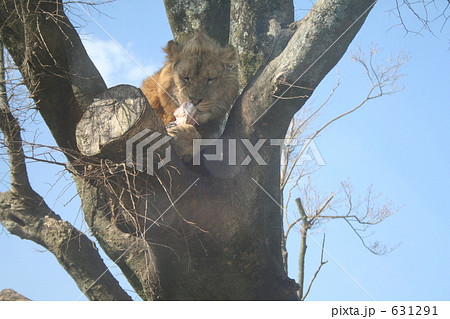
{"x": 173, "y": 50}
{"x": 229, "y": 55}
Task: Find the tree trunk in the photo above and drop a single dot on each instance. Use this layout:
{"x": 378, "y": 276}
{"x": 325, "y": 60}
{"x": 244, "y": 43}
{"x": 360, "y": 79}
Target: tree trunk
{"x": 255, "y": 24}
{"x": 184, "y": 232}
{"x": 188, "y": 16}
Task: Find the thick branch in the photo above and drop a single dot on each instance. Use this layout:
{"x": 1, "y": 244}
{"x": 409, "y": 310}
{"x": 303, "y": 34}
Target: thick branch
{"x": 319, "y": 42}
{"x": 30, "y": 218}
{"x": 57, "y": 71}
{"x": 254, "y": 26}
{"x": 115, "y": 116}
{"x": 25, "y": 214}
{"x": 11, "y": 130}
{"x": 211, "y": 16}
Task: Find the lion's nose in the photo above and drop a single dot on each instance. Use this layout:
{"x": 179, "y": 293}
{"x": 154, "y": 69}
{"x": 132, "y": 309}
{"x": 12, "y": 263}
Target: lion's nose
{"x": 195, "y": 100}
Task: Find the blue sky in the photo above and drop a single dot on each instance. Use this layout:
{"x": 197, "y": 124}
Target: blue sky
{"x": 399, "y": 144}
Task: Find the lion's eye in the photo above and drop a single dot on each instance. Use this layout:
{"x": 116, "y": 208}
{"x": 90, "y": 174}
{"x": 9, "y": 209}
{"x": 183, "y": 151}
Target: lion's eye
{"x": 211, "y": 80}
{"x": 186, "y": 78}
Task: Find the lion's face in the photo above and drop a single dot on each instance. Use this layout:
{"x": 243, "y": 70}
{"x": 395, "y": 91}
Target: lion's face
{"x": 203, "y": 75}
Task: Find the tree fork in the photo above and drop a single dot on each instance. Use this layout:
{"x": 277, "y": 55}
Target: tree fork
{"x": 199, "y": 236}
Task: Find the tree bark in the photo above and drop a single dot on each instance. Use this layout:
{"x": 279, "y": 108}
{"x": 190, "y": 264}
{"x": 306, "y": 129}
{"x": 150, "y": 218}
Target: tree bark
{"x": 302, "y": 254}
{"x": 253, "y": 28}
{"x": 30, "y": 218}
{"x": 24, "y": 213}
{"x": 11, "y": 295}
{"x": 54, "y": 64}
{"x": 187, "y": 233}
{"x": 211, "y": 16}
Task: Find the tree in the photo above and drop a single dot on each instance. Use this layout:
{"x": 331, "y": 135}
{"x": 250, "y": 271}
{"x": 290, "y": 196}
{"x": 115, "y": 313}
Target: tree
{"x": 165, "y": 231}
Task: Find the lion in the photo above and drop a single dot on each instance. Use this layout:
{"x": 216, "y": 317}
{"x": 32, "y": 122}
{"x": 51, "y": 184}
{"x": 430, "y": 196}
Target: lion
{"x": 198, "y": 73}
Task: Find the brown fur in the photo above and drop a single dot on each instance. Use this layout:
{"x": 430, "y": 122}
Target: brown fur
{"x": 198, "y": 69}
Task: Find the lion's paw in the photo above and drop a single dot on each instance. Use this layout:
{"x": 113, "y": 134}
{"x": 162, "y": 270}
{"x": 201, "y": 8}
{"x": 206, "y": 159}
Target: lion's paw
{"x": 182, "y": 140}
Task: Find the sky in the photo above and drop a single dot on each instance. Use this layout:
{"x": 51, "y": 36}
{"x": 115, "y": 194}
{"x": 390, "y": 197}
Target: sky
{"x": 399, "y": 143}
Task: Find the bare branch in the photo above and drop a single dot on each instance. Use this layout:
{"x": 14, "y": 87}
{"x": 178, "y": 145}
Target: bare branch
{"x": 25, "y": 214}
{"x": 322, "y": 208}
{"x": 383, "y": 79}
{"x": 299, "y": 124}
{"x": 303, "y": 247}
{"x": 322, "y": 262}
{"x": 375, "y": 248}
{"x": 424, "y": 12}
{"x": 11, "y": 130}
{"x": 373, "y": 214}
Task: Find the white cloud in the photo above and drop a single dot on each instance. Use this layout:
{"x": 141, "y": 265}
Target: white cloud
{"x": 116, "y": 66}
